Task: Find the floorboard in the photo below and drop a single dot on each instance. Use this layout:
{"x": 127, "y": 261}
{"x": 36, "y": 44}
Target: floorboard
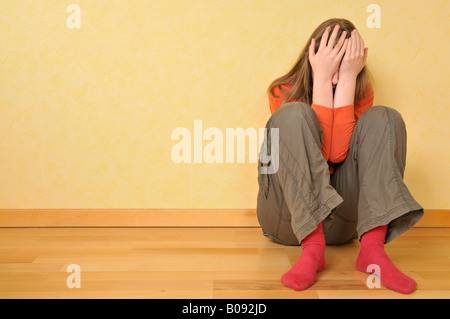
{"x": 201, "y": 263}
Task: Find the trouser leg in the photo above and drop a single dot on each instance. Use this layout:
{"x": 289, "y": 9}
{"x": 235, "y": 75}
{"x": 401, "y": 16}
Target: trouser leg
{"x": 295, "y": 199}
{"x": 371, "y": 180}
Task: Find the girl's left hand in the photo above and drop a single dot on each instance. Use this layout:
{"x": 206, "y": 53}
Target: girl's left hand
{"x": 355, "y": 56}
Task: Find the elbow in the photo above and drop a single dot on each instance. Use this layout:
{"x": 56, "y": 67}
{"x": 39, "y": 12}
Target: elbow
{"x": 338, "y": 157}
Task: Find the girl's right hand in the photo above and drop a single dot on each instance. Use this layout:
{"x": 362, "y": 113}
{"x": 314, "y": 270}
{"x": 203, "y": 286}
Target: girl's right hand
{"x": 326, "y": 61}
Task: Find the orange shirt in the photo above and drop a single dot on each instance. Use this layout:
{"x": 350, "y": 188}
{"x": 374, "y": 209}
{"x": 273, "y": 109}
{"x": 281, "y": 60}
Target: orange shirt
{"x": 337, "y": 124}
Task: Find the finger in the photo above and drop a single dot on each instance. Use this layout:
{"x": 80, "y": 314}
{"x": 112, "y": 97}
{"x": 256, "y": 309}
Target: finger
{"x": 323, "y": 40}
{"x": 343, "y": 49}
{"x": 312, "y": 52}
{"x": 354, "y": 43}
{"x": 340, "y": 42}
{"x": 361, "y": 45}
{"x": 349, "y": 50}
{"x": 366, "y": 53}
{"x": 358, "y": 48}
{"x": 332, "y": 41}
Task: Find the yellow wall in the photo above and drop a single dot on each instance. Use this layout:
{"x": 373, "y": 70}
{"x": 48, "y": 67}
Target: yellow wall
{"x": 86, "y": 115}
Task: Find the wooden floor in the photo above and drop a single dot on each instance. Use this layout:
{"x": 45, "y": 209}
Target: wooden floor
{"x": 200, "y": 263}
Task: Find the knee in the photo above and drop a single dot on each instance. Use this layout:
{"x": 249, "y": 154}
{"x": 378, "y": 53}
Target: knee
{"x": 382, "y": 114}
{"x": 292, "y": 112}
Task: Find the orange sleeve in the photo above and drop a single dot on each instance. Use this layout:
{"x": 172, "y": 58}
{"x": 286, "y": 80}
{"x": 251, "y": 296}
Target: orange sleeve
{"x": 344, "y": 123}
{"x": 274, "y": 104}
{"x": 276, "y": 101}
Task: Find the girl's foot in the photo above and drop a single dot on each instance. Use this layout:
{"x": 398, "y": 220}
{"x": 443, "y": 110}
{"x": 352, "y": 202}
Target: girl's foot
{"x": 372, "y": 252}
{"x": 312, "y": 260}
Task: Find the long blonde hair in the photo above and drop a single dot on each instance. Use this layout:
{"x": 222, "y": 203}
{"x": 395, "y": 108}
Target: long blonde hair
{"x": 300, "y": 76}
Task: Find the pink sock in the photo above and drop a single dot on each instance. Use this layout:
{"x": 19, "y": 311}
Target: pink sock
{"x": 372, "y": 252}
{"x": 312, "y": 260}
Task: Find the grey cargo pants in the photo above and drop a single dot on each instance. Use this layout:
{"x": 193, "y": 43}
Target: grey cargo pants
{"x": 365, "y": 191}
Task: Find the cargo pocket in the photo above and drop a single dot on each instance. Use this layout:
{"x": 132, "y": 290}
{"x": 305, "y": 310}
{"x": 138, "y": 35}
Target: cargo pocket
{"x": 264, "y": 154}
{"x": 263, "y": 179}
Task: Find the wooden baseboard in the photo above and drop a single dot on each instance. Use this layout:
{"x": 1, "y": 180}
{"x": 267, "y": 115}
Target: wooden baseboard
{"x": 158, "y": 218}
{"x": 435, "y": 218}
{"x": 128, "y": 218}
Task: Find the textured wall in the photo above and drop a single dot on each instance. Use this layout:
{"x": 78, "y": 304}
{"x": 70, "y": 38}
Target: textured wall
{"x": 86, "y": 114}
